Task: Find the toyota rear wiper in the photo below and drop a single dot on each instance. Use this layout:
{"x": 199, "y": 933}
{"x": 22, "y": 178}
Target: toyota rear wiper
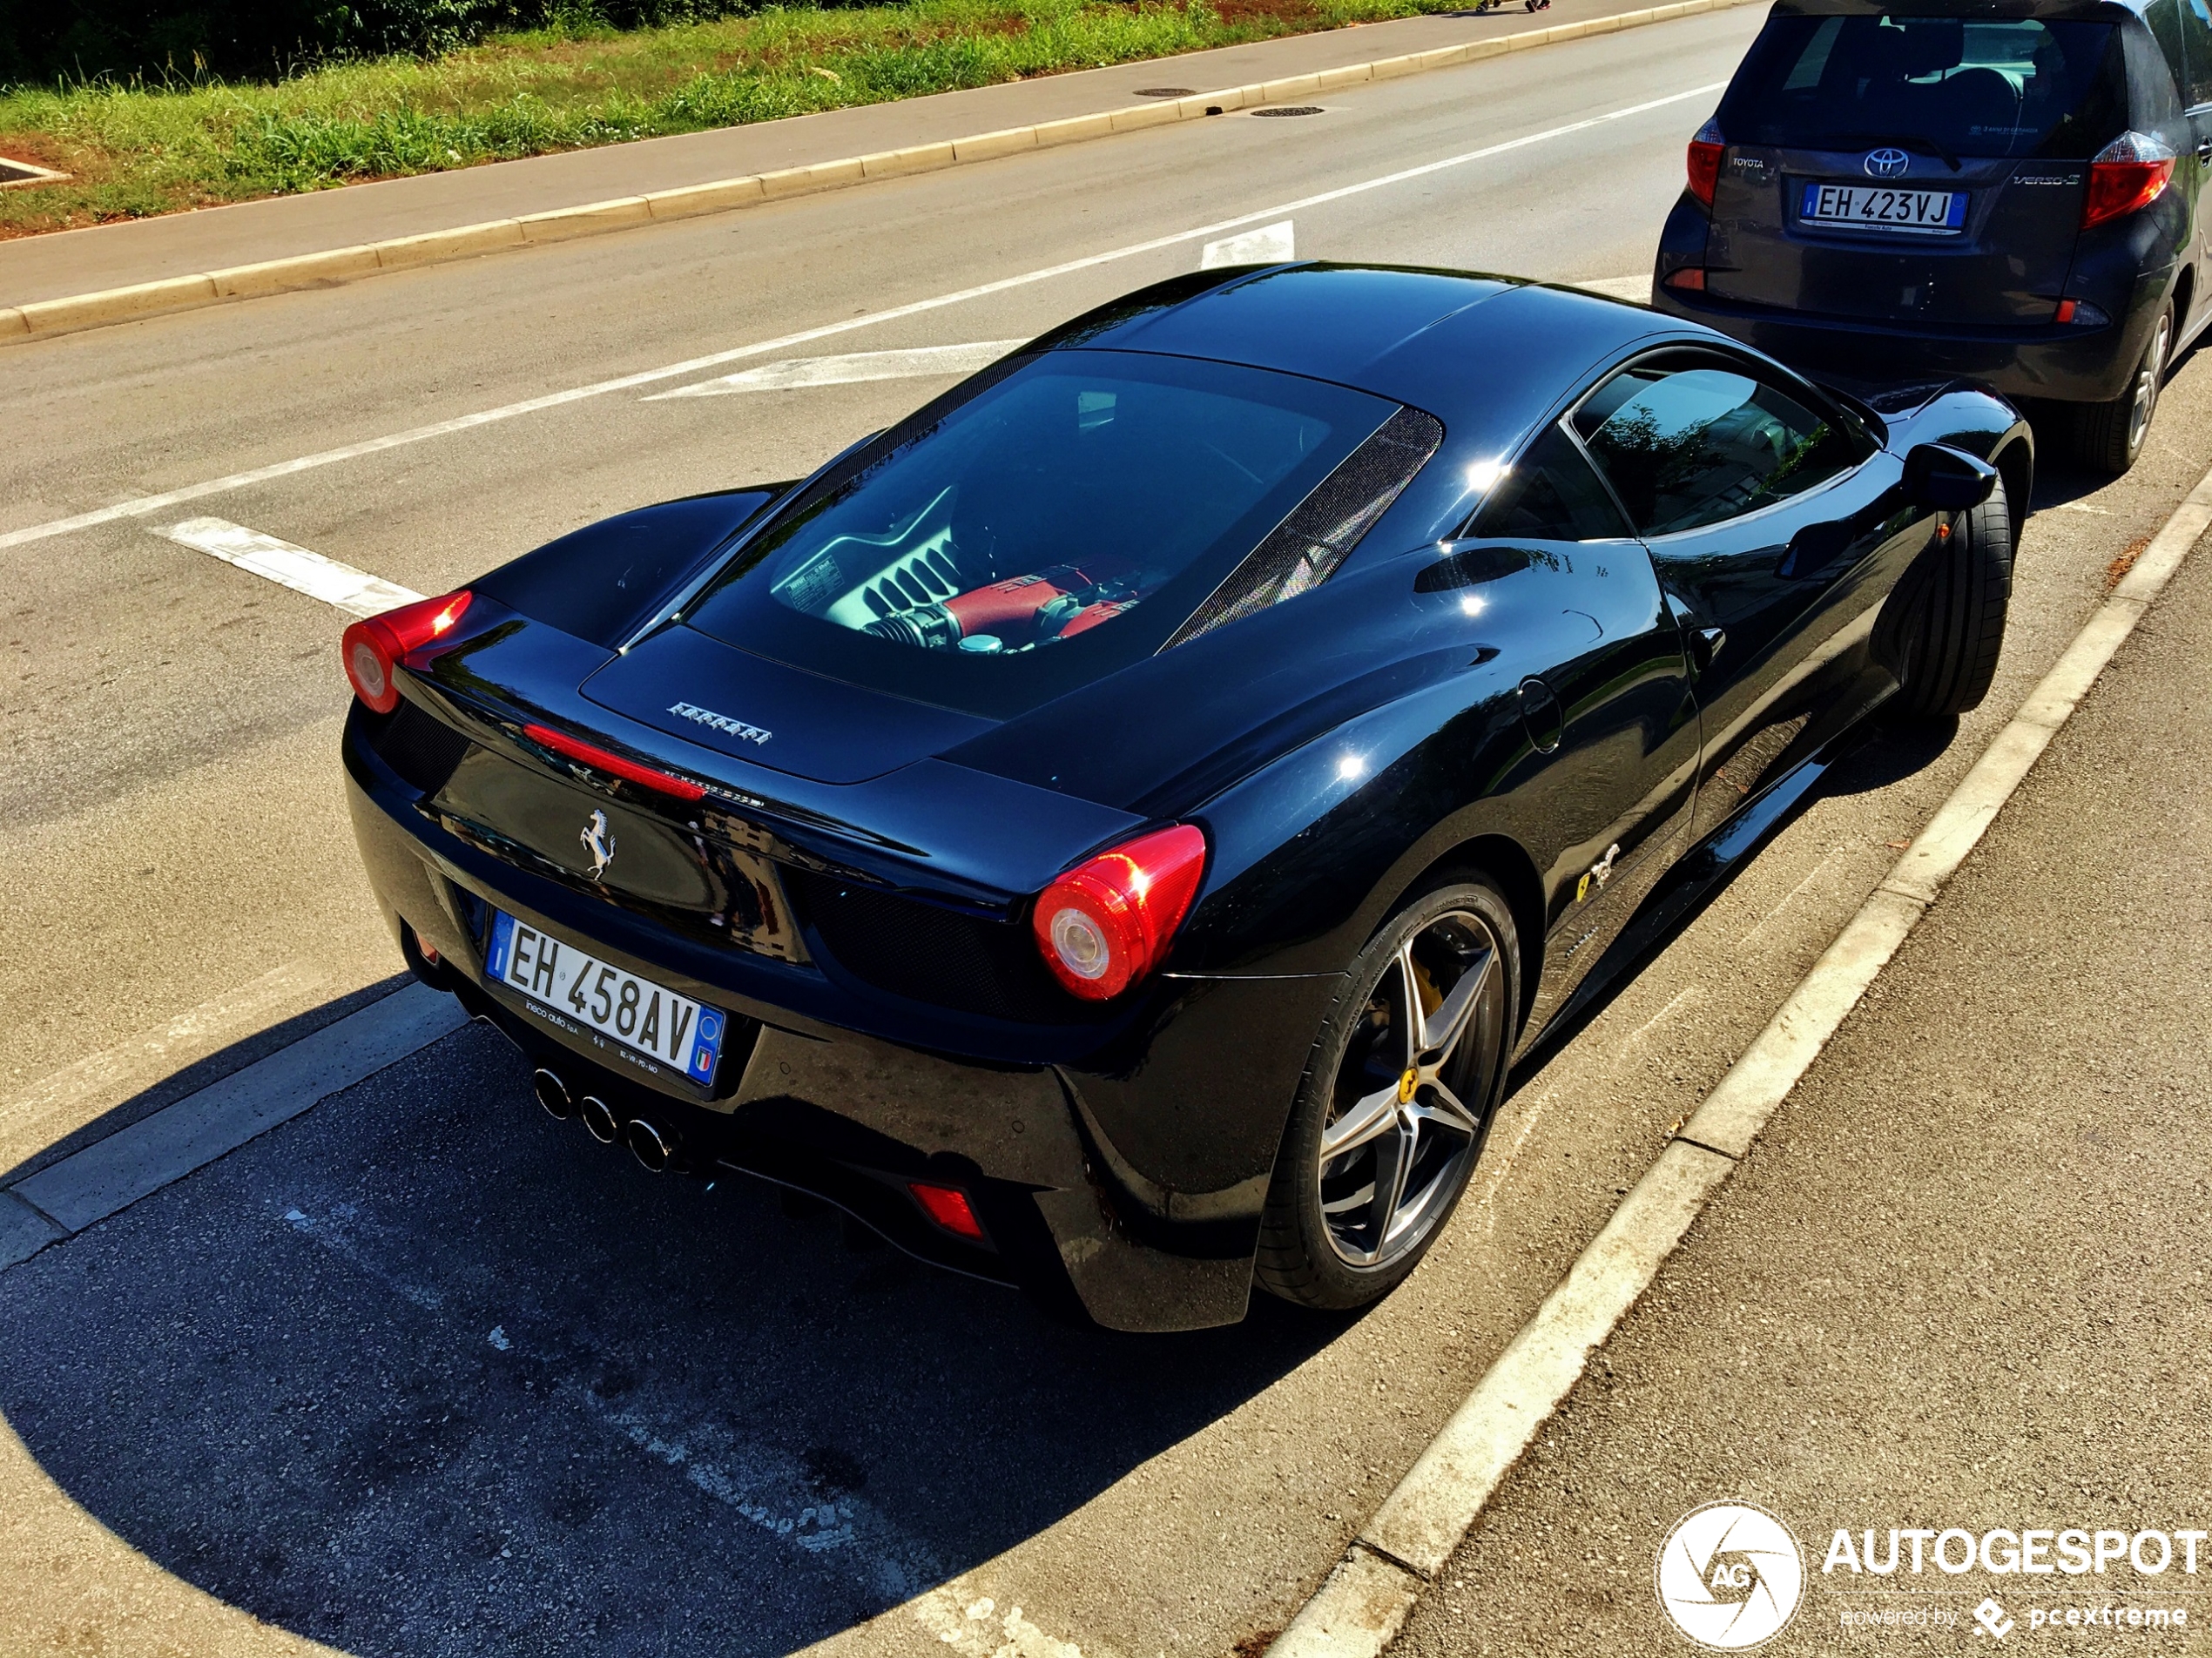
{"x": 1912, "y": 141}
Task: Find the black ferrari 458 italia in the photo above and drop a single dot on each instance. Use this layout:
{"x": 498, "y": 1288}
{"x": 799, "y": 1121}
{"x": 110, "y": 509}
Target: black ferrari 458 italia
{"x": 1113, "y": 830}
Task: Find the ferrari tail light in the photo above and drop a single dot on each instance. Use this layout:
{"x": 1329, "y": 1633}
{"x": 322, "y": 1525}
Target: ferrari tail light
{"x": 1705, "y": 152}
{"x": 2126, "y": 177}
{"x": 1107, "y": 923}
{"x": 600, "y": 760}
{"x": 949, "y": 1207}
{"x": 373, "y": 645}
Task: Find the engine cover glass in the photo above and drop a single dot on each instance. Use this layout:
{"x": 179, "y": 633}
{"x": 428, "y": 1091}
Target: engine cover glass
{"x": 1051, "y": 527}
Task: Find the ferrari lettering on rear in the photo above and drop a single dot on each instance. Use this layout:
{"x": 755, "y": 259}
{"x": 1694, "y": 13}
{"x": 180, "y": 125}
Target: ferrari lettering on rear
{"x": 720, "y": 722}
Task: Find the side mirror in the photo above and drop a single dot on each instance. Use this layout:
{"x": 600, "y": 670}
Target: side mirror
{"x": 1943, "y": 479}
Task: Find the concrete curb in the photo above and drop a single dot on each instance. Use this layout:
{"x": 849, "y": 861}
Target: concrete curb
{"x": 111, "y": 1173}
{"x": 45, "y": 318}
{"x": 1359, "y": 1609}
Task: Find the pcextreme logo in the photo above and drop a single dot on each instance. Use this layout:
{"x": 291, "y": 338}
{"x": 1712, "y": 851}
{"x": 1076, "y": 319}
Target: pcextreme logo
{"x": 1729, "y": 1576}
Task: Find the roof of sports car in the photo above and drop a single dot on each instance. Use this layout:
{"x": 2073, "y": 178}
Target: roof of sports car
{"x": 1474, "y": 350}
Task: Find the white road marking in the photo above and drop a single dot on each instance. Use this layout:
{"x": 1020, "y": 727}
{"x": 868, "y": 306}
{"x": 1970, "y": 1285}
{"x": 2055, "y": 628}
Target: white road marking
{"x": 761, "y": 1482}
{"x": 1269, "y": 245}
{"x": 1500, "y": 1167}
{"x": 1693, "y": 996}
{"x": 334, "y": 1231}
{"x": 356, "y": 592}
{"x": 1636, "y": 286}
{"x": 1359, "y": 1608}
{"x": 1791, "y": 896}
{"x": 974, "y": 1632}
{"x": 921, "y": 362}
{"x": 140, "y": 506}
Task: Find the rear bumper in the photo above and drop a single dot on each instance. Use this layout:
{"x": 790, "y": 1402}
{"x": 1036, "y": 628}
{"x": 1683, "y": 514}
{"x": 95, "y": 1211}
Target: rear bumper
{"x": 1110, "y": 1180}
{"x": 2062, "y": 365}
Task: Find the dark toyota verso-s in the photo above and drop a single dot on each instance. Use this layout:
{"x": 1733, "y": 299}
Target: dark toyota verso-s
{"x": 2005, "y": 193}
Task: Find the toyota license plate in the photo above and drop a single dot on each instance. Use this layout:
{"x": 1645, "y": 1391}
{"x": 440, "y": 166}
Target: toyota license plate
{"x": 577, "y": 989}
{"x": 1932, "y": 212}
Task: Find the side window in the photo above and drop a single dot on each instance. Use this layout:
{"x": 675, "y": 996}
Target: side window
{"x": 1550, "y": 494}
{"x": 2164, "y": 17}
{"x": 2196, "y": 47}
{"x": 1691, "y": 445}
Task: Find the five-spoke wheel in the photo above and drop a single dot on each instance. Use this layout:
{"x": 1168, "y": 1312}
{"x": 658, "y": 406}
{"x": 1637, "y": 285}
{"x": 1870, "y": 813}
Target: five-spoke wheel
{"x": 1405, "y": 1076}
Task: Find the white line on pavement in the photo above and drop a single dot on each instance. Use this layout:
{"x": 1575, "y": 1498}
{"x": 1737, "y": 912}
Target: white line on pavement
{"x": 917, "y": 363}
{"x": 1361, "y": 1605}
{"x": 140, "y": 506}
{"x": 355, "y": 591}
{"x": 1269, "y": 245}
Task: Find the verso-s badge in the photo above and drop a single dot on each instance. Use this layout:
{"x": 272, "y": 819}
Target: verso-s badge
{"x": 720, "y": 722}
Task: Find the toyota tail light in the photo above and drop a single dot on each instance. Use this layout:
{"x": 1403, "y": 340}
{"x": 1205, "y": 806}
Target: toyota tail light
{"x": 1105, "y": 924}
{"x": 1705, "y": 152}
{"x": 2126, "y": 177}
{"x": 374, "y": 644}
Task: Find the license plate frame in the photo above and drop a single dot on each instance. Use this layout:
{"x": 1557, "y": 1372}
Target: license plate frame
{"x": 1893, "y": 209}
{"x": 568, "y": 985}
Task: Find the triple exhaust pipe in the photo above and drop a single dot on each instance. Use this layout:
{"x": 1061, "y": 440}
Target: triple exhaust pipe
{"x": 656, "y": 1145}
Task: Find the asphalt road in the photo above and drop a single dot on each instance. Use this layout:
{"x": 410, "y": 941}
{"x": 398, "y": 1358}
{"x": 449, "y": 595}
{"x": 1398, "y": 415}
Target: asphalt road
{"x": 425, "y": 1372}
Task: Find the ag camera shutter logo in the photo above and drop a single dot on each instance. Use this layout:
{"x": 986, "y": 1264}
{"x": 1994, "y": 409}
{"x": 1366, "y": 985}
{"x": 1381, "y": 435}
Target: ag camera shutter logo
{"x": 1729, "y": 1576}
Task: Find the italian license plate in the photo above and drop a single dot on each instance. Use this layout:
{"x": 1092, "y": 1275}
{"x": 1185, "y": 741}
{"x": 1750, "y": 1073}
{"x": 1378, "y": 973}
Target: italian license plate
{"x": 1940, "y": 212}
{"x": 567, "y": 978}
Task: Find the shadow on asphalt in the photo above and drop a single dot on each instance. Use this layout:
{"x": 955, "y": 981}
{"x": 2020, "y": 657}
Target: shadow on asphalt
{"x": 426, "y": 1371}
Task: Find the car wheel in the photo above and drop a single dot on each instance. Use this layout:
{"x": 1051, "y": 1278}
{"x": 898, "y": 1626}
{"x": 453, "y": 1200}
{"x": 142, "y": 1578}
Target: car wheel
{"x": 2108, "y": 437}
{"x": 1405, "y": 1076}
{"x": 1951, "y": 606}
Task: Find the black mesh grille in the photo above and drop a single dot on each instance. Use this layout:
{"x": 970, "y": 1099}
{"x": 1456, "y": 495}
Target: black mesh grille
{"x": 1304, "y": 549}
{"x": 421, "y": 748}
{"x": 933, "y": 954}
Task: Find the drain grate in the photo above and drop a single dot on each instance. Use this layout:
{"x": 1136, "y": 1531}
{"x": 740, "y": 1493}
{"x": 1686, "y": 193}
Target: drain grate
{"x": 1290, "y": 109}
{"x": 1167, "y": 92}
{"x": 22, "y": 172}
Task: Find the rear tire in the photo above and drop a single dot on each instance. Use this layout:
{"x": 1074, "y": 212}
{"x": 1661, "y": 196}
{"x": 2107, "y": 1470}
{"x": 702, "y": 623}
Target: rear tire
{"x": 1392, "y": 1111}
{"x": 1950, "y": 609}
{"x": 2108, "y": 437}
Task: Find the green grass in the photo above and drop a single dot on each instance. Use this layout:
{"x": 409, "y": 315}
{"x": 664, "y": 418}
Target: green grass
{"x": 138, "y": 149}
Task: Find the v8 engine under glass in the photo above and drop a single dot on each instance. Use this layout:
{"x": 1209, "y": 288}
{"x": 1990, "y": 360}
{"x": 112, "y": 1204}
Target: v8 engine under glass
{"x": 1046, "y": 531}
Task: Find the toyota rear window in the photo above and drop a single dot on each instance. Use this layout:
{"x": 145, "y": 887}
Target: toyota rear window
{"x": 1948, "y": 87}
{"x": 1011, "y": 542}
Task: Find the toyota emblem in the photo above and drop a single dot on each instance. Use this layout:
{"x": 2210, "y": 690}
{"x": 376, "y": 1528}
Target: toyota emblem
{"x": 1886, "y": 164}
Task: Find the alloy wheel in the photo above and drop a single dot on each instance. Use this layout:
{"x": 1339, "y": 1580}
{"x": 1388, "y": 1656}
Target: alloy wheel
{"x": 1399, "y": 1136}
{"x": 2146, "y": 383}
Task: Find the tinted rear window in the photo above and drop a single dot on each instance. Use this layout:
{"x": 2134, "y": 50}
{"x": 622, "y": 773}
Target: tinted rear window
{"x": 1054, "y": 526}
{"x": 2010, "y": 86}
